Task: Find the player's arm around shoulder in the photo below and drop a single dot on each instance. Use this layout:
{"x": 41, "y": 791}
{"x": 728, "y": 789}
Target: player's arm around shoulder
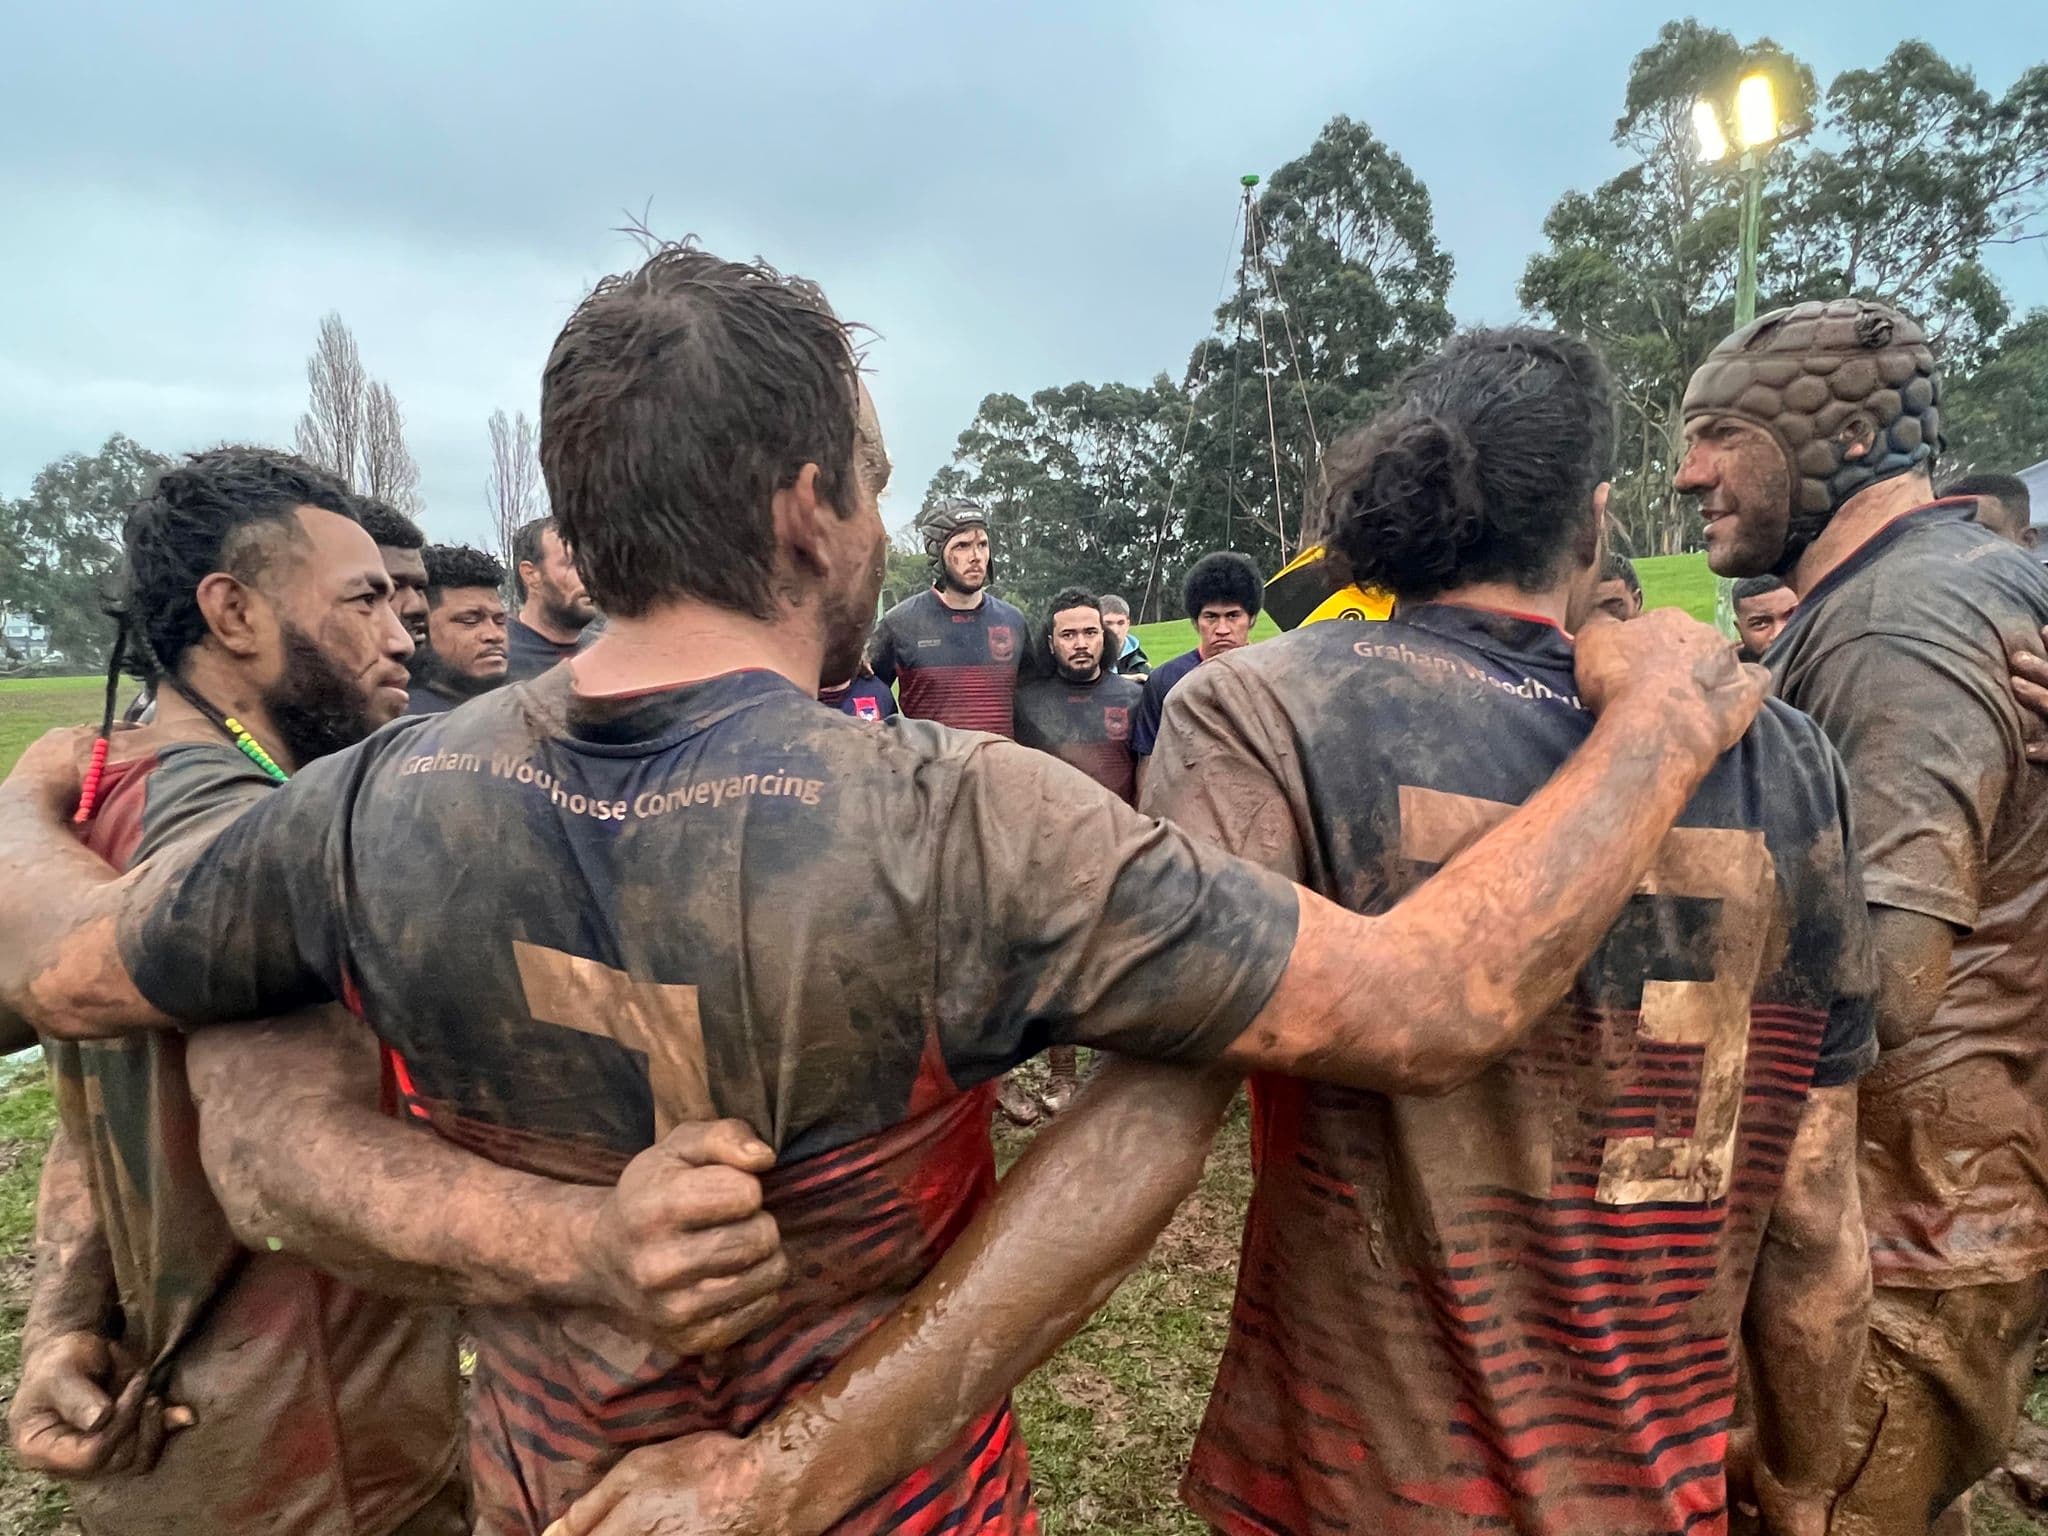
{"x": 60, "y": 969}
{"x": 1420, "y": 998}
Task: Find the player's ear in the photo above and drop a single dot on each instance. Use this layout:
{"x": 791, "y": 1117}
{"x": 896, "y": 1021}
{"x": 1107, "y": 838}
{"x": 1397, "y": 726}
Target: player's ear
{"x": 800, "y": 517}
{"x": 237, "y": 616}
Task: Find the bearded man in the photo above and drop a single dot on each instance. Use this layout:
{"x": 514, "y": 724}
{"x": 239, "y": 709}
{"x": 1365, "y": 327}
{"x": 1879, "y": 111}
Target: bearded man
{"x": 1810, "y": 435}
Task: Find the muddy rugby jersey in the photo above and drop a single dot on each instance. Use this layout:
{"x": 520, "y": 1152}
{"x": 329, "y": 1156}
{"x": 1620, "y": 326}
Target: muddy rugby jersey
{"x": 1514, "y": 1307}
{"x": 320, "y": 1409}
{"x": 1085, "y": 724}
{"x": 579, "y": 922}
{"x": 957, "y": 666}
{"x": 1901, "y": 655}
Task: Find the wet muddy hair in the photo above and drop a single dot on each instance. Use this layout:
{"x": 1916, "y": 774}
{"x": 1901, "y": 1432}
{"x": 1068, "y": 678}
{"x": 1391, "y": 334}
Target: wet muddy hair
{"x": 677, "y": 401}
{"x": 458, "y": 565}
{"x": 1223, "y": 576}
{"x": 1484, "y": 471}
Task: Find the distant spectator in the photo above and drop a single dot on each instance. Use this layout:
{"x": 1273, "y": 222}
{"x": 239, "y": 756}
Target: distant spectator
{"x": 2004, "y": 505}
{"x": 1763, "y": 604}
{"x": 1128, "y": 658}
{"x": 1619, "y": 593}
{"x": 1222, "y": 596}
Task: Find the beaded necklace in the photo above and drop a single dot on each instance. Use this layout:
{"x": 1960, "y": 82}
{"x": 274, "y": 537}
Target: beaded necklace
{"x": 234, "y": 730}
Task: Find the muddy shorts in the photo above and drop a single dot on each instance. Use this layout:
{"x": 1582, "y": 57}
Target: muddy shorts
{"x": 1944, "y": 1376}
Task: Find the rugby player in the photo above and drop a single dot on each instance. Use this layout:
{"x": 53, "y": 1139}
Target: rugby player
{"x": 319, "y": 1408}
{"x": 953, "y": 650}
{"x": 688, "y": 889}
{"x": 401, "y": 546}
{"x": 1222, "y": 596}
{"x": 861, "y": 696}
{"x": 2004, "y": 505}
{"x": 1763, "y": 605}
{"x": 264, "y": 605}
{"x": 1810, "y": 435}
{"x": 466, "y": 646}
{"x": 1619, "y": 594}
{"x": 1517, "y": 1305}
{"x": 556, "y": 617}
{"x": 1080, "y": 712}
{"x": 1073, "y": 706}
{"x": 1124, "y": 655}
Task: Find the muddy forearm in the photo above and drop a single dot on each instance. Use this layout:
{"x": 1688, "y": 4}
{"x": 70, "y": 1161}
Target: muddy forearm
{"x": 60, "y": 962}
{"x": 1420, "y": 999}
{"x": 1078, "y": 1212}
{"x": 1809, "y": 1303}
{"x": 320, "y": 1171}
{"x": 73, "y": 1290}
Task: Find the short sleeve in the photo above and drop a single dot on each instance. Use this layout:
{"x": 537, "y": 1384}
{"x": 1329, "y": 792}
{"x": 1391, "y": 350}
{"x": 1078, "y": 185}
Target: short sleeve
{"x": 882, "y": 649}
{"x": 1848, "y": 1046}
{"x": 250, "y": 928}
{"x": 1064, "y": 916}
{"x": 194, "y": 793}
{"x": 1145, "y": 729}
{"x": 1221, "y": 770}
{"x": 1929, "y": 741}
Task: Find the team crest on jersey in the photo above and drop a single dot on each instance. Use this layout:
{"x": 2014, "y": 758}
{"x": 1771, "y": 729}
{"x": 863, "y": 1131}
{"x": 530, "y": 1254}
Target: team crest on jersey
{"x": 868, "y": 709}
{"x": 1002, "y": 643}
{"x": 1116, "y": 720}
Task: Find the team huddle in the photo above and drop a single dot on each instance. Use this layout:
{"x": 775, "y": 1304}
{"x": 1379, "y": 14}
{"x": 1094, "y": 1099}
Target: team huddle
{"x": 1645, "y": 1073}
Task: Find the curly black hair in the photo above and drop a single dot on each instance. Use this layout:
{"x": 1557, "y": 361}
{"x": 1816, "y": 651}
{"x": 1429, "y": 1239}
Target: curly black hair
{"x": 1223, "y": 576}
{"x": 389, "y": 527}
{"x": 227, "y": 509}
{"x": 1484, "y": 471}
{"x": 458, "y": 565}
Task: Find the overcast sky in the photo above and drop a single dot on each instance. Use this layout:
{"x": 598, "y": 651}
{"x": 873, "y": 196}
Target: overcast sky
{"x": 1012, "y": 196}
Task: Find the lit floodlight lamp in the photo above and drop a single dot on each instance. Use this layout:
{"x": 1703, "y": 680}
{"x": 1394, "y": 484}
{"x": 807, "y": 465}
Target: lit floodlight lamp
{"x": 1706, "y": 124}
{"x": 1756, "y": 112}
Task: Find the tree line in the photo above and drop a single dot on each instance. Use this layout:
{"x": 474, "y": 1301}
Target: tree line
{"x": 60, "y": 543}
{"x": 1897, "y": 181}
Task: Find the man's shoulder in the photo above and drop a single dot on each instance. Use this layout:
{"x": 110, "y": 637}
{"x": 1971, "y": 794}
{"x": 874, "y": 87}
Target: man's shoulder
{"x": 1948, "y": 582}
{"x": 1000, "y": 612}
{"x": 907, "y": 610}
{"x": 1165, "y": 675}
{"x": 190, "y": 785}
{"x": 1116, "y": 690}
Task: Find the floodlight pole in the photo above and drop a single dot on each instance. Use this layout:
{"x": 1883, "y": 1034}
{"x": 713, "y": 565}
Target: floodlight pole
{"x": 1752, "y": 234}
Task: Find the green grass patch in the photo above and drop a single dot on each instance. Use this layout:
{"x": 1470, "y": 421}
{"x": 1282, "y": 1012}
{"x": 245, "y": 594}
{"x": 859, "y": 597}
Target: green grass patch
{"x": 30, "y": 706}
{"x": 1679, "y": 581}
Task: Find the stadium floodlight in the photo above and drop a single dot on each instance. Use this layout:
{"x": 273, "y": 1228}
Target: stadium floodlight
{"x": 1706, "y": 124}
{"x": 1756, "y": 112}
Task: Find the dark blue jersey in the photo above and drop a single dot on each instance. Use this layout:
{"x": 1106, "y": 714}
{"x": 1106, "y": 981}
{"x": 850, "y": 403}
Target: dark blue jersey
{"x": 957, "y": 666}
{"x": 865, "y": 698}
{"x": 1146, "y": 731}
